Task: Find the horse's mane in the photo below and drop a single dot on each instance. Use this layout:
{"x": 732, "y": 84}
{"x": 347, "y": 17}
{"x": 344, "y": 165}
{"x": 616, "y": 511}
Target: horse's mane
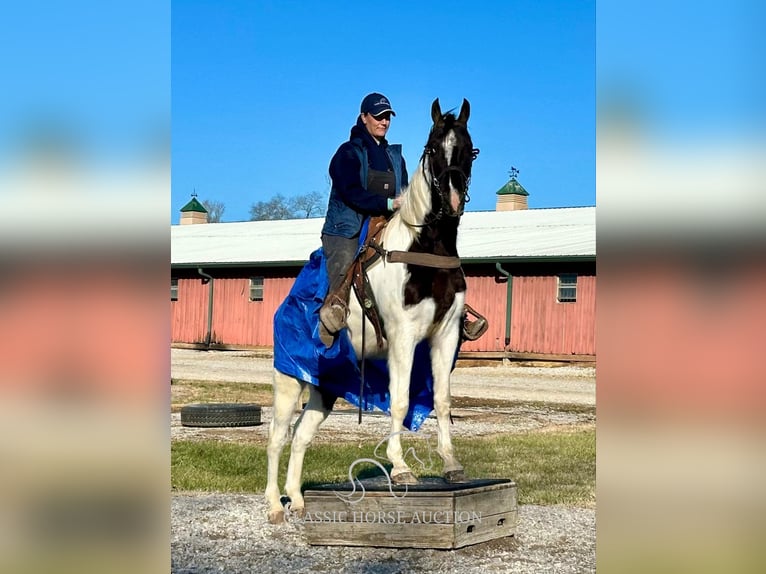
{"x": 415, "y": 205}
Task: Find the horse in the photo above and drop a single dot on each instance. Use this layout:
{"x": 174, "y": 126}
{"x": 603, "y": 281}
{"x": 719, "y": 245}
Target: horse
{"x": 415, "y": 302}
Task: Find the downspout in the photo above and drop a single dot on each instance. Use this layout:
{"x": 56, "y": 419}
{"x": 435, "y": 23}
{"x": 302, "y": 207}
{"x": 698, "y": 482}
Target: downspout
{"x": 508, "y": 302}
{"x": 208, "y": 279}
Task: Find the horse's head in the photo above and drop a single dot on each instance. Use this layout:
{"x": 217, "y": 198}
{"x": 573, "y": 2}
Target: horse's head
{"x": 447, "y": 160}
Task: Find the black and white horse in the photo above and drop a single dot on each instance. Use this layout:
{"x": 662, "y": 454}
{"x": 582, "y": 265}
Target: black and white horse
{"x": 415, "y": 302}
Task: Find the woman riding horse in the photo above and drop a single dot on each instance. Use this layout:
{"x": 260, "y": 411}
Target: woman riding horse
{"x": 367, "y": 175}
{"x": 419, "y": 290}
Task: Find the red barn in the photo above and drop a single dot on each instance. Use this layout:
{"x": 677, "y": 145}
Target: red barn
{"x": 531, "y": 272}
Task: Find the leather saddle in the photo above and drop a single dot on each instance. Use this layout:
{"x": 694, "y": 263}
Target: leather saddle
{"x": 370, "y": 252}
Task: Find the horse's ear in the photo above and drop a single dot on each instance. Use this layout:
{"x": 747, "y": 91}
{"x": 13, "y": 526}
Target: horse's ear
{"x": 436, "y": 111}
{"x": 465, "y": 111}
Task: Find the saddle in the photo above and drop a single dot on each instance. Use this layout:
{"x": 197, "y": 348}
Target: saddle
{"x": 370, "y": 252}
{"x": 357, "y": 275}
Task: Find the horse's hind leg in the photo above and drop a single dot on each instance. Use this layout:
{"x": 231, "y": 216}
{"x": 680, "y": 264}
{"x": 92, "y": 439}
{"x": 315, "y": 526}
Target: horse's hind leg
{"x": 319, "y": 406}
{"x": 443, "y": 348}
{"x": 287, "y": 391}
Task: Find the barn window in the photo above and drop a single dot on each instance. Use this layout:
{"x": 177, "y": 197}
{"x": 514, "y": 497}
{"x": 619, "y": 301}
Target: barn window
{"x": 256, "y": 288}
{"x": 567, "y": 292}
{"x": 174, "y": 289}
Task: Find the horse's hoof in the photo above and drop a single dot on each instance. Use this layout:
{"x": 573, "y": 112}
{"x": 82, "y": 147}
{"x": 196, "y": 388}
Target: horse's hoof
{"x": 277, "y": 517}
{"x": 453, "y": 476}
{"x": 298, "y": 513}
{"x": 404, "y": 478}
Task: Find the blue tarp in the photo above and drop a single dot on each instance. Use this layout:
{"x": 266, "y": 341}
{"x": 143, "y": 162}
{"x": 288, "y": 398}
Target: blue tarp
{"x": 300, "y": 353}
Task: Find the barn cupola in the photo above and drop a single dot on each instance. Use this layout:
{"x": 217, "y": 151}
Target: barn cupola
{"x": 193, "y": 212}
{"x": 512, "y": 195}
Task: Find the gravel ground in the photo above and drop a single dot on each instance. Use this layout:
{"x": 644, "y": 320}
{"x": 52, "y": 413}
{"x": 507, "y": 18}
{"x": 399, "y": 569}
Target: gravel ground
{"x": 563, "y": 384}
{"x": 343, "y": 425}
{"x": 229, "y": 532}
{"x": 542, "y": 386}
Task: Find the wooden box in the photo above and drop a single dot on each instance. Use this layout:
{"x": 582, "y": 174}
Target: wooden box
{"x": 432, "y": 514}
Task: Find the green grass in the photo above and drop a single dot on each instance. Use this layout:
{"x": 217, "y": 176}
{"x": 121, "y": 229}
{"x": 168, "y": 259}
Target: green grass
{"x": 188, "y": 392}
{"x": 548, "y": 468}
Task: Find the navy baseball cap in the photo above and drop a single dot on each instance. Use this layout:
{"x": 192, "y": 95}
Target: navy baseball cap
{"x": 376, "y": 104}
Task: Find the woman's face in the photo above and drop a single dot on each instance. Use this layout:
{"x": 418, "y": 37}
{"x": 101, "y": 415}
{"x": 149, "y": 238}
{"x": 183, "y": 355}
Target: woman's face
{"x": 377, "y": 125}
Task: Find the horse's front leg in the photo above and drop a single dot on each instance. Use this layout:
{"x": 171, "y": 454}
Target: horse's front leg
{"x": 443, "y": 347}
{"x": 401, "y": 353}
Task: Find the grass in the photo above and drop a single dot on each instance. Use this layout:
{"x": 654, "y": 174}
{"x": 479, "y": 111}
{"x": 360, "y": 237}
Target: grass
{"x": 548, "y": 468}
{"x": 485, "y": 403}
{"x": 184, "y": 392}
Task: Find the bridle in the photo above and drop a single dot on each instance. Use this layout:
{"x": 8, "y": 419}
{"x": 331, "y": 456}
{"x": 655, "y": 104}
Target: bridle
{"x": 435, "y": 185}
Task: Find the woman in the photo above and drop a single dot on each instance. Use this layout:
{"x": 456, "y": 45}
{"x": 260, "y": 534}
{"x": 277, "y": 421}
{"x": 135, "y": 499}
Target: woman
{"x": 367, "y": 176}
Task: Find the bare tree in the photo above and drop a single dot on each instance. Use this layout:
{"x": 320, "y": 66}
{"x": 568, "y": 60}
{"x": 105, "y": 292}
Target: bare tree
{"x": 278, "y": 207}
{"x": 215, "y": 210}
{"x": 281, "y": 207}
{"x": 307, "y": 205}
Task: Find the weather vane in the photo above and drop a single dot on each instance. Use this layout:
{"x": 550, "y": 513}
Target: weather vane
{"x": 194, "y": 193}
{"x": 514, "y": 172}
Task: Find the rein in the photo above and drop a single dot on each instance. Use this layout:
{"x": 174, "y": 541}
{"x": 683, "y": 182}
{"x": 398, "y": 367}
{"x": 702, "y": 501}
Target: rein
{"x": 412, "y": 258}
{"x": 434, "y": 185}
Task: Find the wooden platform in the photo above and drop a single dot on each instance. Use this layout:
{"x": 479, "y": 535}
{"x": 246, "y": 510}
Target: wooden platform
{"x": 432, "y": 514}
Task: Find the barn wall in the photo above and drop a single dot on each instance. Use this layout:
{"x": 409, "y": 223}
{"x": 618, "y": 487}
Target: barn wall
{"x": 486, "y": 293}
{"x": 236, "y": 319}
{"x": 539, "y": 324}
{"x": 240, "y": 321}
{"x": 188, "y": 315}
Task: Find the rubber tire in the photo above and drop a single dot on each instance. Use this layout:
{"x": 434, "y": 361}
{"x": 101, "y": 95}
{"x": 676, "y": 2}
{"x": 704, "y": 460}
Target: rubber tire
{"x": 221, "y": 415}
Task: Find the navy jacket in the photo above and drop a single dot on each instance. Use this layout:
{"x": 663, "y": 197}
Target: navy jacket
{"x": 350, "y": 201}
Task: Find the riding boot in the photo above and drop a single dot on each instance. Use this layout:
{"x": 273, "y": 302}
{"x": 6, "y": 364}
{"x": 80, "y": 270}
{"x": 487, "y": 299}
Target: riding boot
{"x": 334, "y": 311}
{"x": 472, "y": 330}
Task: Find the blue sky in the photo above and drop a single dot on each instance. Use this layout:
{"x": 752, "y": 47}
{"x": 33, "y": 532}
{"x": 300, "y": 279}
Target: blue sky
{"x": 264, "y": 92}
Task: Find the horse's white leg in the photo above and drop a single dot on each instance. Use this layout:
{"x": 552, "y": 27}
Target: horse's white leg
{"x": 401, "y": 353}
{"x": 287, "y": 391}
{"x": 319, "y": 406}
{"x": 443, "y": 346}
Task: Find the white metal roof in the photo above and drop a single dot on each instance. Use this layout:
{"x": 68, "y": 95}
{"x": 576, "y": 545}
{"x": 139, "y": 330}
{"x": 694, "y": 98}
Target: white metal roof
{"x": 531, "y": 233}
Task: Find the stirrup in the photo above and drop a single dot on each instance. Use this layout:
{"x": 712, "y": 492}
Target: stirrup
{"x": 472, "y": 330}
